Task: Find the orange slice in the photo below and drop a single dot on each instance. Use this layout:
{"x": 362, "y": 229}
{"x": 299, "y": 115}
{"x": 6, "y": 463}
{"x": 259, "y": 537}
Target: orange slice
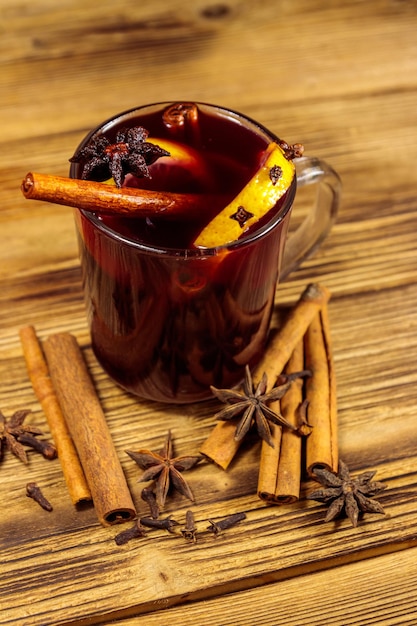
{"x": 184, "y": 170}
{"x": 258, "y": 197}
{"x": 178, "y": 151}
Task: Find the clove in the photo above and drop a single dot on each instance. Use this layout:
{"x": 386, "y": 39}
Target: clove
{"x": 217, "y": 527}
{"x": 130, "y": 533}
{"x": 149, "y": 497}
{"x": 34, "y": 492}
{"x": 189, "y": 530}
{"x": 47, "y": 449}
{"x": 166, "y": 524}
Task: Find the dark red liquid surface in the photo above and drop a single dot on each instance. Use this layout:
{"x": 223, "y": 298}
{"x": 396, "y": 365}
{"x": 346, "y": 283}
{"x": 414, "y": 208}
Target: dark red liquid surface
{"x": 167, "y": 326}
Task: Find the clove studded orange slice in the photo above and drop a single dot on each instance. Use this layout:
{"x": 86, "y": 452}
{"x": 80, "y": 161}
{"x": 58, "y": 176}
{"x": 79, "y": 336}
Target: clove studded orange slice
{"x": 252, "y": 203}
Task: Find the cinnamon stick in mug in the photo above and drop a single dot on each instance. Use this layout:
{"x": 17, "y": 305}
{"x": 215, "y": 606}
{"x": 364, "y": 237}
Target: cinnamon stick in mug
{"x": 322, "y": 443}
{"x": 42, "y": 385}
{"x": 87, "y": 425}
{"x": 110, "y": 200}
{"x": 220, "y": 447}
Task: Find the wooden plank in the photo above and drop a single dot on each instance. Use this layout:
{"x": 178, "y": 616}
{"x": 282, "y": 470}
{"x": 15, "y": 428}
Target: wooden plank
{"x": 56, "y": 577}
{"x": 319, "y": 597}
{"x": 340, "y": 77}
{"x": 283, "y": 541}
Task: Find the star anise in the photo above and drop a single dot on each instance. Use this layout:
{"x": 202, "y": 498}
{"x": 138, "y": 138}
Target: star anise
{"x": 130, "y": 153}
{"x": 13, "y": 434}
{"x": 252, "y": 405}
{"x": 351, "y": 495}
{"x": 165, "y": 469}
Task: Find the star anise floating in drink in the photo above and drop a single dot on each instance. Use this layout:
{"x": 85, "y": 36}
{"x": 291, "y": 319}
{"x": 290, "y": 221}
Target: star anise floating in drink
{"x": 14, "y": 434}
{"x": 343, "y": 493}
{"x": 251, "y": 405}
{"x": 165, "y": 470}
{"x": 130, "y": 153}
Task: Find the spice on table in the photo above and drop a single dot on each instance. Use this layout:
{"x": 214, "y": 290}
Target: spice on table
{"x": 148, "y": 496}
{"x": 220, "y": 447}
{"x": 251, "y": 404}
{"x": 165, "y": 524}
{"x": 42, "y": 385}
{"x": 130, "y": 533}
{"x": 88, "y": 427}
{"x": 189, "y": 530}
{"x": 14, "y": 434}
{"x": 47, "y": 449}
{"x": 346, "y": 494}
{"x": 304, "y": 428}
{"x": 33, "y": 491}
{"x": 279, "y": 478}
{"x": 165, "y": 469}
{"x": 227, "y": 522}
{"x": 322, "y": 443}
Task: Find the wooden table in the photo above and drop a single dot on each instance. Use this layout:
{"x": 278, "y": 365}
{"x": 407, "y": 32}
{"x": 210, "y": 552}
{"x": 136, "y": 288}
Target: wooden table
{"x": 341, "y": 78}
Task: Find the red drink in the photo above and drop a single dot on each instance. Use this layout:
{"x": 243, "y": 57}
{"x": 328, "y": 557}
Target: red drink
{"x": 169, "y": 319}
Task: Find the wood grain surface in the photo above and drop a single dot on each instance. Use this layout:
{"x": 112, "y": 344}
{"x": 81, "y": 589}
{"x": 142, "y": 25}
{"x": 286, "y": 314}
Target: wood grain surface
{"x": 340, "y": 77}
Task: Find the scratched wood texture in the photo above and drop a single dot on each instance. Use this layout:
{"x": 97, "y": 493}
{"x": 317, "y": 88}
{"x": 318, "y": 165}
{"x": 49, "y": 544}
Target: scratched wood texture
{"x": 339, "y": 77}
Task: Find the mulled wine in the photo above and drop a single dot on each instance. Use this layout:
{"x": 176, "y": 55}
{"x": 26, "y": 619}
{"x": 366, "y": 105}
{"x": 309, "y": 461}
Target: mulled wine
{"x": 169, "y": 317}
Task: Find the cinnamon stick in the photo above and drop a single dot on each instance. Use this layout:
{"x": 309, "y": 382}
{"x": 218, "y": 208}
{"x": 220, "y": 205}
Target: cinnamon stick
{"x": 42, "y": 385}
{"x": 282, "y": 345}
{"x": 87, "y": 425}
{"x": 322, "y": 443}
{"x": 110, "y": 200}
{"x": 280, "y": 467}
{"x": 268, "y": 467}
{"x": 220, "y": 446}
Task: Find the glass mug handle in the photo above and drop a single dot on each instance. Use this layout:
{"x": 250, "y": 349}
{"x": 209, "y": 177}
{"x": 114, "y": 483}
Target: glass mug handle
{"x": 319, "y": 220}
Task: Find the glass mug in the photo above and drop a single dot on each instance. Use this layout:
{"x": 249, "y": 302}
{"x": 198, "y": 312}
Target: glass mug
{"x": 168, "y": 320}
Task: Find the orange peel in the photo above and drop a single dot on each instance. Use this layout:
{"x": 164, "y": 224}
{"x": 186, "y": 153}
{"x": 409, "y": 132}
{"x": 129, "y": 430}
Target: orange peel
{"x": 257, "y": 198}
{"x": 182, "y": 156}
